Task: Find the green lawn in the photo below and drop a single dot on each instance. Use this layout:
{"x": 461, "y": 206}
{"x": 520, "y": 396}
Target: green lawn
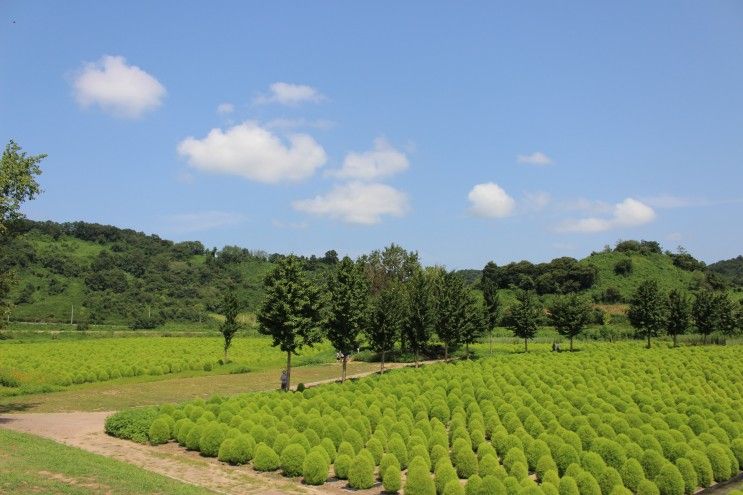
{"x": 33, "y": 465}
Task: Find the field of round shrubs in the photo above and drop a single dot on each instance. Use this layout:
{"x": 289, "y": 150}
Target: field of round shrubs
{"x": 68, "y": 362}
{"x": 612, "y": 419}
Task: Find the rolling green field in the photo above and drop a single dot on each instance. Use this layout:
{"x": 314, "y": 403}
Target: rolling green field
{"x": 31, "y": 465}
{"x": 46, "y": 365}
{"x": 610, "y": 419}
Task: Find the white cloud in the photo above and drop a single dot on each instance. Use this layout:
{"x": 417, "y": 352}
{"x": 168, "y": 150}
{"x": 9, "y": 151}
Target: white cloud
{"x": 491, "y": 201}
{"x": 117, "y": 88}
{"x": 289, "y": 94}
{"x": 203, "y": 220}
{"x": 628, "y": 213}
{"x": 225, "y": 108}
{"x": 536, "y": 158}
{"x": 384, "y": 160}
{"x": 357, "y": 202}
{"x": 250, "y": 151}
{"x": 536, "y": 201}
{"x": 284, "y": 123}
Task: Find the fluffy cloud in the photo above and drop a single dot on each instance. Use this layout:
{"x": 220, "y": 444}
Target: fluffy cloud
{"x": 117, "y": 88}
{"x": 183, "y": 223}
{"x": 357, "y": 202}
{"x": 289, "y": 94}
{"x": 225, "y": 108}
{"x": 384, "y": 160}
{"x": 250, "y": 151}
{"x": 628, "y": 213}
{"x": 536, "y": 158}
{"x": 491, "y": 201}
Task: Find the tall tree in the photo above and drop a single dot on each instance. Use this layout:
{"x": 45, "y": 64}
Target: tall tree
{"x": 679, "y": 314}
{"x": 230, "y": 326}
{"x": 570, "y": 315}
{"x": 647, "y": 310}
{"x": 474, "y": 322}
{"x": 524, "y": 317}
{"x": 386, "y": 319}
{"x": 420, "y": 316}
{"x": 18, "y": 172}
{"x": 492, "y": 306}
{"x": 394, "y": 263}
{"x": 291, "y": 312}
{"x": 705, "y": 313}
{"x": 726, "y": 316}
{"x": 447, "y": 299}
{"x": 348, "y": 301}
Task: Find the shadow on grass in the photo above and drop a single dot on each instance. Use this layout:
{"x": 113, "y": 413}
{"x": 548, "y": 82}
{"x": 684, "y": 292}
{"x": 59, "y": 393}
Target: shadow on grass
{"x": 11, "y": 407}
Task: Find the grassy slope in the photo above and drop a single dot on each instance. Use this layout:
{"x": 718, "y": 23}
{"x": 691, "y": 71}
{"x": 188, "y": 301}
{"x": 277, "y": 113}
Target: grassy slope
{"x": 651, "y": 266}
{"x": 32, "y": 465}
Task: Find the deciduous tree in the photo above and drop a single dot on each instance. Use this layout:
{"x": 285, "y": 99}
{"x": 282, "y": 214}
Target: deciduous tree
{"x": 679, "y": 314}
{"x": 348, "y": 300}
{"x": 230, "y": 325}
{"x": 420, "y": 316}
{"x": 386, "y": 319}
{"x": 524, "y": 317}
{"x": 647, "y": 310}
{"x": 570, "y": 315}
{"x": 291, "y": 312}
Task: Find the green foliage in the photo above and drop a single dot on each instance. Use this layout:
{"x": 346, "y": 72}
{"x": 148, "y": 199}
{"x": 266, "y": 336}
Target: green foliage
{"x": 361, "y": 473}
{"x": 454, "y": 488}
{"x": 265, "y": 459}
{"x": 647, "y": 487}
{"x": 443, "y": 474}
{"x": 237, "y": 450}
{"x": 387, "y": 315}
{"x": 720, "y": 462}
{"x": 342, "y": 465}
{"x": 632, "y": 474}
{"x": 292, "y": 459}
{"x": 419, "y": 482}
{"x": 570, "y": 315}
{"x": 211, "y": 439}
{"x": 131, "y": 424}
{"x": 524, "y": 317}
{"x": 230, "y": 326}
{"x": 568, "y": 486}
{"x": 315, "y": 469}
{"x": 420, "y": 319}
{"x": 669, "y": 481}
{"x": 391, "y": 479}
{"x": 647, "y": 311}
{"x": 18, "y": 172}
{"x": 159, "y": 432}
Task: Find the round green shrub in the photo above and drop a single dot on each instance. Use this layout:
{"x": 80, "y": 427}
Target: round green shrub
{"x": 720, "y": 462}
{"x": 397, "y": 447}
{"x": 609, "y": 479}
{"x": 211, "y": 439}
{"x": 193, "y": 438}
{"x": 265, "y": 459}
{"x": 565, "y": 456}
{"x": 474, "y": 485}
{"x": 419, "y": 482}
{"x": 568, "y": 486}
{"x": 652, "y": 461}
{"x": 466, "y": 463}
{"x": 593, "y": 463}
{"x": 737, "y": 447}
{"x": 489, "y": 465}
{"x": 346, "y": 449}
{"x": 443, "y": 474}
{"x": 620, "y": 490}
{"x": 341, "y": 466}
{"x": 329, "y": 447}
{"x": 454, "y": 488}
{"x": 361, "y": 473}
{"x": 387, "y": 461}
{"x": 392, "y": 478}
{"x": 377, "y": 450}
{"x": 519, "y": 471}
{"x": 702, "y": 466}
{"x": 315, "y": 468}
{"x": 587, "y": 484}
{"x": 669, "y": 481}
{"x": 610, "y": 451}
{"x": 183, "y": 431}
{"x": 686, "y": 468}
{"x": 632, "y": 474}
{"x": 647, "y": 487}
{"x": 159, "y": 432}
{"x": 292, "y": 460}
{"x": 494, "y": 486}
{"x": 512, "y": 484}
{"x": 238, "y": 450}
{"x": 354, "y": 438}
{"x": 544, "y": 464}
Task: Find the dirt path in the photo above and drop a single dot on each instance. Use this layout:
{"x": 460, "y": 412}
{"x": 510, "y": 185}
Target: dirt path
{"x": 85, "y": 431}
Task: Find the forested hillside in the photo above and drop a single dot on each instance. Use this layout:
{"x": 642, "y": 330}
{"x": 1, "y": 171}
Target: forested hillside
{"x": 117, "y": 275}
{"x": 113, "y": 275}
{"x": 731, "y": 269}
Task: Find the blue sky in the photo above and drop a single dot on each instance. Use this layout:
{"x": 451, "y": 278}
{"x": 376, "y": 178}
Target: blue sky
{"x": 469, "y": 131}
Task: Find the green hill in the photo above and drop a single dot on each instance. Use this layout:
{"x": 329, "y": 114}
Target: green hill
{"x": 112, "y": 275}
{"x": 731, "y": 270}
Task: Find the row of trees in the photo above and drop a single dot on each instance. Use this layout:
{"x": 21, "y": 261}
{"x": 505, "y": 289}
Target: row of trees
{"x": 653, "y": 313}
{"x": 384, "y": 298}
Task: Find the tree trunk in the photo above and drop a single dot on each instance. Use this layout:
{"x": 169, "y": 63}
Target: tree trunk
{"x": 446, "y": 353}
{"x": 345, "y": 362}
{"x": 571, "y": 343}
{"x": 675, "y": 340}
{"x": 491, "y": 341}
{"x": 526, "y": 344}
{"x": 648, "y": 346}
{"x": 467, "y": 350}
{"x": 704, "y": 338}
{"x": 288, "y": 371}
{"x": 381, "y": 368}
{"x": 416, "y": 358}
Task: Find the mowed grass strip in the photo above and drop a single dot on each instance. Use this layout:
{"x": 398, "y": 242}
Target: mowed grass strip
{"x": 33, "y": 465}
